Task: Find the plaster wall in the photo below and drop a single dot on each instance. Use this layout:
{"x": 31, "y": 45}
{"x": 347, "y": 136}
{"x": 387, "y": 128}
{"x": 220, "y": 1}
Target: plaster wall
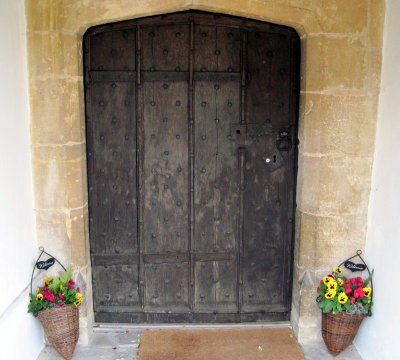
{"x": 17, "y": 217}
{"x": 340, "y": 78}
{"x": 378, "y": 336}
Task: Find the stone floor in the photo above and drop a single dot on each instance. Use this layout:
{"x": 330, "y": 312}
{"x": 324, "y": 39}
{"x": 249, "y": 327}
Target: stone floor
{"x": 117, "y": 343}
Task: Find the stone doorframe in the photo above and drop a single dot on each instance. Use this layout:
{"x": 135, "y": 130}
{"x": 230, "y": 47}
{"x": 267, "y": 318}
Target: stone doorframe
{"x": 340, "y": 77}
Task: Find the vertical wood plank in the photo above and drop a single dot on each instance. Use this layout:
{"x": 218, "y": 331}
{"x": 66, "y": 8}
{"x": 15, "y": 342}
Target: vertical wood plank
{"x": 140, "y": 159}
{"x": 191, "y": 172}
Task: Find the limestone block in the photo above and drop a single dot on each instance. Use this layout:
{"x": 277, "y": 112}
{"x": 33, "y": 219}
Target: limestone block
{"x": 57, "y": 111}
{"x": 308, "y": 238}
{"x": 52, "y": 234}
{"x": 86, "y": 310}
{"x": 309, "y": 309}
{"x": 72, "y": 152}
{"x": 337, "y": 16}
{"x": 296, "y": 293}
{"x": 59, "y": 178}
{"x": 54, "y": 53}
{"x": 334, "y": 185}
{"x": 65, "y": 233}
{"x": 304, "y": 20}
{"x": 325, "y": 242}
{"x": 339, "y": 238}
{"x": 45, "y": 15}
{"x": 375, "y": 71}
{"x": 333, "y": 63}
{"x": 337, "y": 125}
{"x": 377, "y": 18}
{"x": 78, "y": 232}
{"x": 77, "y": 15}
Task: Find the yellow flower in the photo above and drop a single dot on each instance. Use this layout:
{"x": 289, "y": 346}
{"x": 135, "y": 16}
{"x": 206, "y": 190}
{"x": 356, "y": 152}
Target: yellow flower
{"x": 37, "y": 290}
{"x": 340, "y": 282}
{"x": 337, "y": 269}
{"x": 61, "y": 287}
{"x": 342, "y": 298}
{"x": 78, "y": 296}
{"x": 77, "y": 302}
{"x": 47, "y": 281}
{"x": 39, "y": 297}
{"x": 327, "y": 279}
{"x": 332, "y": 285}
{"x": 367, "y": 291}
{"x": 330, "y": 294}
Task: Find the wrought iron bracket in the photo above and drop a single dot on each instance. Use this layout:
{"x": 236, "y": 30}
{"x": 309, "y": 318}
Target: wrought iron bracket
{"x": 41, "y": 248}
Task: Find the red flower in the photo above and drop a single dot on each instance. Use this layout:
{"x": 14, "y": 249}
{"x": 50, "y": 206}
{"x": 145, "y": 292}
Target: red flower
{"x": 60, "y": 304}
{"x": 348, "y": 290}
{"x": 71, "y": 282}
{"x": 77, "y": 289}
{"x": 320, "y": 282}
{"x": 318, "y": 288}
{"x": 49, "y": 296}
{"x": 353, "y": 280}
{"x": 61, "y": 296}
{"x": 44, "y": 288}
{"x": 69, "y": 286}
{"x": 359, "y": 279}
{"x": 353, "y": 300}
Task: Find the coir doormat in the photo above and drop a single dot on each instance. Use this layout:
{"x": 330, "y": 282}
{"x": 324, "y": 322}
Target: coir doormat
{"x": 220, "y": 344}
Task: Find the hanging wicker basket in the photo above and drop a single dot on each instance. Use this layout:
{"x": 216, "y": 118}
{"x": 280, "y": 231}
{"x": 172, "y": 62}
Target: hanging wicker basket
{"x": 61, "y": 326}
{"x": 339, "y": 331}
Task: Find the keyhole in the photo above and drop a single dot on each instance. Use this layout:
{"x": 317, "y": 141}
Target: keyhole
{"x": 274, "y": 159}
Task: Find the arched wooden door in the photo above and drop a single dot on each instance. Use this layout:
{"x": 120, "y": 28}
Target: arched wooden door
{"x": 191, "y": 144}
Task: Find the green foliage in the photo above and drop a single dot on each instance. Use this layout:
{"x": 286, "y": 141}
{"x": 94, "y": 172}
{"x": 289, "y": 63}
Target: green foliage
{"x": 368, "y": 280}
{"x": 338, "y": 293}
{"x": 55, "y": 293}
{"x": 62, "y": 280}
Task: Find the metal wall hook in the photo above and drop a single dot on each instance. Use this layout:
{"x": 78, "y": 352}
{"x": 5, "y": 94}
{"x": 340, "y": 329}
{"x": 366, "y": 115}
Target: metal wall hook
{"x": 41, "y": 248}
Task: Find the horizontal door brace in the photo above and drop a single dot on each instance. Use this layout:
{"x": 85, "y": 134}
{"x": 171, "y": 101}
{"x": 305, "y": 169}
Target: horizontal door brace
{"x": 160, "y": 258}
{"x": 130, "y": 76}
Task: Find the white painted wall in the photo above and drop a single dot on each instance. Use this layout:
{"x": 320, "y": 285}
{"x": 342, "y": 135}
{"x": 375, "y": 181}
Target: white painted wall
{"x": 21, "y": 335}
{"x": 378, "y": 337}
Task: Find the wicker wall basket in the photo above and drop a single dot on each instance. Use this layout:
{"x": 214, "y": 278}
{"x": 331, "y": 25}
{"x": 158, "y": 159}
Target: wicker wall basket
{"x": 339, "y": 331}
{"x": 61, "y": 326}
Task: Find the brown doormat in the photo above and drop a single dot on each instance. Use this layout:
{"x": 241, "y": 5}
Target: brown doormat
{"x": 224, "y": 344}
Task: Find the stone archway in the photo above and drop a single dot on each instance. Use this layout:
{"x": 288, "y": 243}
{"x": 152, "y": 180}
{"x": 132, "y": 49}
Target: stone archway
{"x": 341, "y": 57}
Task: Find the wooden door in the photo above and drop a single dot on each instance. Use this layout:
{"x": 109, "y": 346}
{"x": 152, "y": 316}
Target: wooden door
{"x": 191, "y": 144}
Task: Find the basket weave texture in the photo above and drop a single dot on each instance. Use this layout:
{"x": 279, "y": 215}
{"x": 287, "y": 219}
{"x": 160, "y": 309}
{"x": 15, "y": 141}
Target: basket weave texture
{"x": 61, "y": 326}
{"x": 339, "y": 331}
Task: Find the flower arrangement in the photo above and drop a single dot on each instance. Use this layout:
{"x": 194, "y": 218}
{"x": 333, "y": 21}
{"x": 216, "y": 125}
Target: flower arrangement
{"x": 338, "y": 293}
{"x": 55, "y": 292}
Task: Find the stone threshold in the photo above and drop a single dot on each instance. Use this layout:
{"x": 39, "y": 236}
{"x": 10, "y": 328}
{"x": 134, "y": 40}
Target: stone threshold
{"x": 121, "y": 342}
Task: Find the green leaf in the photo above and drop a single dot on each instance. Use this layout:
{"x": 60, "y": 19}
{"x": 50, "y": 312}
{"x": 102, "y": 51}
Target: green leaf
{"x": 71, "y": 291}
{"x": 366, "y": 282}
{"x": 328, "y": 307}
{"x": 347, "y": 305}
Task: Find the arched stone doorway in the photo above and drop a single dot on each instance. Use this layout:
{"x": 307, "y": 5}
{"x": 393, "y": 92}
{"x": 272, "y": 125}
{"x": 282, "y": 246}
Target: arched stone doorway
{"x": 337, "y": 120}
